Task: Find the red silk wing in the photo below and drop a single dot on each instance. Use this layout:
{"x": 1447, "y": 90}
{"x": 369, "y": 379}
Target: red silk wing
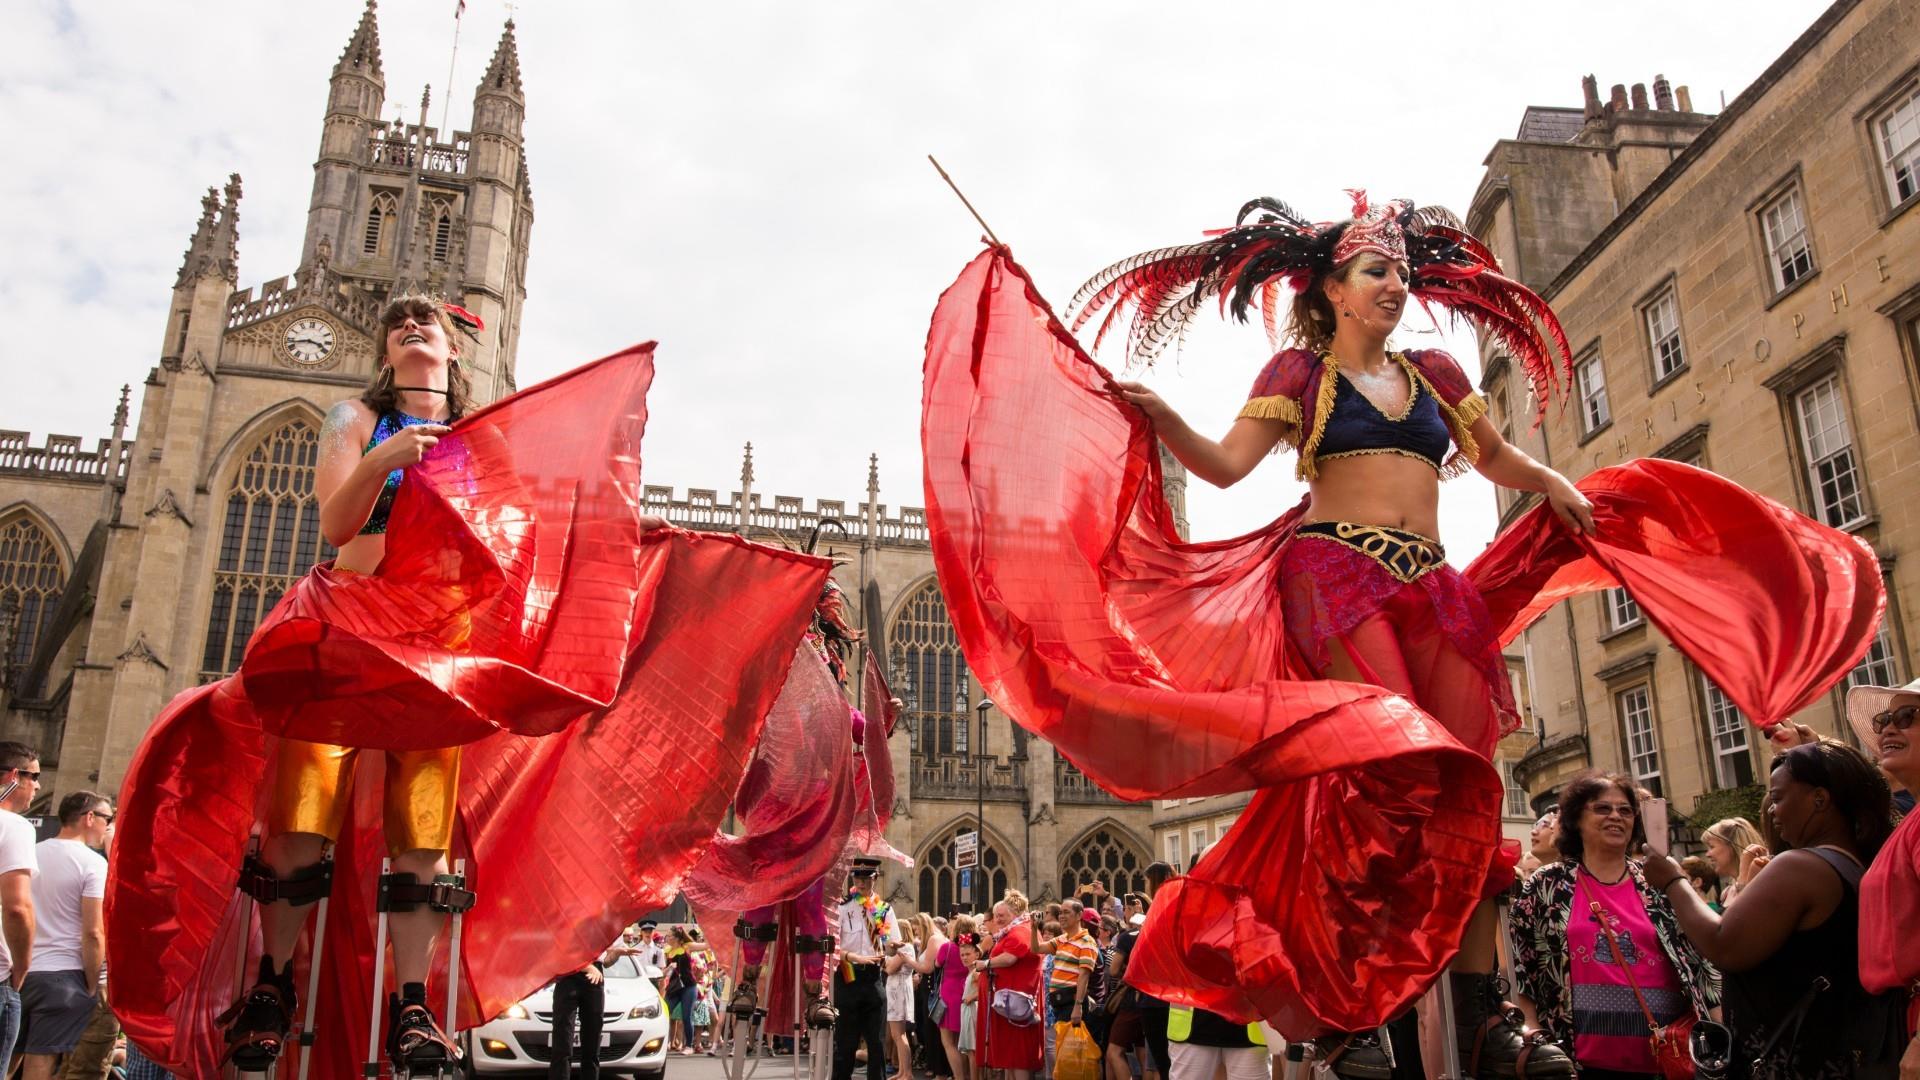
{"x": 1774, "y": 606}
{"x": 1160, "y": 668}
{"x": 652, "y": 661}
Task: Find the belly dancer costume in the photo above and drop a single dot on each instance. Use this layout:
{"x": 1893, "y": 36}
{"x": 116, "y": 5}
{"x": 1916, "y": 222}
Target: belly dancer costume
{"x": 597, "y": 690}
{"x": 1168, "y": 669}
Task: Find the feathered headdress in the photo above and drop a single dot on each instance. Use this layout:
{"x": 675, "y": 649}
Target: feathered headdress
{"x": 1271, "y": 248}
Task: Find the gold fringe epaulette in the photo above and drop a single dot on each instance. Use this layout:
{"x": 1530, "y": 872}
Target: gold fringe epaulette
{"x": 1322, "y": 409}
{"x": 1272, "y": 407}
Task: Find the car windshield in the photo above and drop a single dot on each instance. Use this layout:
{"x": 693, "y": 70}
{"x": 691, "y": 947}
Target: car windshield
{"x": 622, "y": 968}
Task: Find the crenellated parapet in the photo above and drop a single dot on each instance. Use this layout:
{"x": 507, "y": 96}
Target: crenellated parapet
{"x": 709, "y": 510}
{"x": 61, "y": 457}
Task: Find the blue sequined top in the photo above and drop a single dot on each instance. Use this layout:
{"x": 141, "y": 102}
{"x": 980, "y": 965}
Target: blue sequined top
{"x": 1357, "y": 426}
{"x": 383, "y": 430}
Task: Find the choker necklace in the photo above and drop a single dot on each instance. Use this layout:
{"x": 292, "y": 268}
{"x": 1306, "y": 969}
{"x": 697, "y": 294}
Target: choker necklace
{"x": 1604, "y": 881}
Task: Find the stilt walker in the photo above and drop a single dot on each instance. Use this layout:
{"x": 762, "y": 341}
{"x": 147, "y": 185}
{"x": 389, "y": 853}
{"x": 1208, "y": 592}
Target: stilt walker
{"x": 501, "y": 622}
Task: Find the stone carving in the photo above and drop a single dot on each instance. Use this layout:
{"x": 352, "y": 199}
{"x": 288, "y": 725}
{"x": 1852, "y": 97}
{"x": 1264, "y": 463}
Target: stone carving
{"x": 138, "y": 649}
{"x": 169, "y": 504}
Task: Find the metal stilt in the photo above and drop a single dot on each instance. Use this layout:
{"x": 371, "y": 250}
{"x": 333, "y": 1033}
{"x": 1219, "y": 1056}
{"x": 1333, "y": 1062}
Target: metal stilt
{"x": 304, "y": 1036}
{"x": 379, "y": 979}
{"x": 453, "y": 963}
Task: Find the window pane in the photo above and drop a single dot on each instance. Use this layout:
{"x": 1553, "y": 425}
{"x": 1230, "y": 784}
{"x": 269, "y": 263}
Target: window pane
{"x": 1791, "y": 256}
{"x": 1899, "y": 146}
{"x": 1643, "y": 748}
{"x": 31, "y": 581}
{"x": 1593, "y": 393}
{"x": 1663, "y": 330}
{"x": 1733, "y": 764}
{"x": 1831, "y": 468}
{"x": 1877, "y": 668}
{"x": 1622, "y": 612}
{"x": 269, "y": 538}
{"x": 930, "y": 674}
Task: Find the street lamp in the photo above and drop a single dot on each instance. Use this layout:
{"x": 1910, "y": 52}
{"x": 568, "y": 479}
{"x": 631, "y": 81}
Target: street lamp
{"x": 980, "y": 807}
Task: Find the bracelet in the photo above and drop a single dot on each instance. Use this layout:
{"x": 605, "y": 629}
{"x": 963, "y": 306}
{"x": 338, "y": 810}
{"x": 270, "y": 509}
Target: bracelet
{"x": 1671, "y": 884}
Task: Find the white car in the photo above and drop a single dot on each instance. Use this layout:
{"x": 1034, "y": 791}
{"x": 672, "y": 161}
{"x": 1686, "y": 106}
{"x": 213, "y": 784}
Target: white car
{"x": 633, "y": 1031}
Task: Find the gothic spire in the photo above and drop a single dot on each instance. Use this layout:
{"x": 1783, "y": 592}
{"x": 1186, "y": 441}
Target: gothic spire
{"x": 503, "y": 72}
{"x": 362, "y": 56}
{"x": 212, "y": 239}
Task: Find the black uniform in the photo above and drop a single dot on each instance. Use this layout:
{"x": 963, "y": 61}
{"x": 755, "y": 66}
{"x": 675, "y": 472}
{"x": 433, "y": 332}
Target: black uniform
{"x": 576, "y": 994}
{"x": 862, "y": 1003}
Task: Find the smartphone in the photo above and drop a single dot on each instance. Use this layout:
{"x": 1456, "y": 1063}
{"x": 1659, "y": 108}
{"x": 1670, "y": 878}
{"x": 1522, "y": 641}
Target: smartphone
{"x": 1653, "y": 818}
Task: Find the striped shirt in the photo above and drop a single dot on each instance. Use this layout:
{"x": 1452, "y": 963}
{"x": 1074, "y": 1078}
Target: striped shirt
{"x": 1072, "y": 956}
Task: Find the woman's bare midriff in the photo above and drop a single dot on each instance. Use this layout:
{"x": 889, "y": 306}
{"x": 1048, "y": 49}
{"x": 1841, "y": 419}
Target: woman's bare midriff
{"x": 1378, "y": 489}
{"x": 362, "y": 554}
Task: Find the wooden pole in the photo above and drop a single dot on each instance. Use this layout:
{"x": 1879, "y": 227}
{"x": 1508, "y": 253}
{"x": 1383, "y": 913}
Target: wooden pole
{"x": 964, "y": 201}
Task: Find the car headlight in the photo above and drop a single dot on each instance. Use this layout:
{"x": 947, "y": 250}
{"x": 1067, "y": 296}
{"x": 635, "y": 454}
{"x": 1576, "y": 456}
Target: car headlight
{"x": 516, "y": 1012}
{"x": 644, "y": 1012}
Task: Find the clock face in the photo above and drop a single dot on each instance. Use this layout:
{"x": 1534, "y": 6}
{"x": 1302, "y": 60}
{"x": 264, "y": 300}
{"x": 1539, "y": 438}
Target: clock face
{"x": 309, "y": 340}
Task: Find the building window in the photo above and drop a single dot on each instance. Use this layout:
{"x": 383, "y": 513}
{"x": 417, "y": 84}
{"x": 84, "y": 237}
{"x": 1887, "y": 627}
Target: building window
{"x": 1727, "y": 726}
{"x": 1643, "y": 747}
{"x": 1197, "y": 841}
{"x": 381, "y": 223}
{"x": 442, "y": 232}
{"x": 1896, "y": 138}
{"x": 1622, "y": 612}
{"x": 270, "y": 538}
{"x": 1517, "y": 804}
{"x": 1663, "y": 333}
{"x": 940, "y": 890}
{"x": 1876, "y": 668}
{"x": 1789, "y": 250}
{"x": 1831, "y": 471}
{"x": 1103, "y": 856}
{"x": 31, "y": 580}
{"x": 1173, "y": 852}
{"x": 930, "y": 675}
{"x": 1592, "y": 380}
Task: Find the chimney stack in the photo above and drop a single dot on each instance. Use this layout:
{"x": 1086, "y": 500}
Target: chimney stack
{"x": 1662, "y": 94}
{"x": 1590, "y": 89}
{"x": 1685, "y": 99}
{"x": 1617, "y": 100}
{"x": 1639, "y": 97}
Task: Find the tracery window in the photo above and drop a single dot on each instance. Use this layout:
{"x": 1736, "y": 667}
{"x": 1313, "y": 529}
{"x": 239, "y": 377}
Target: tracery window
{"x": 930, "y": 675}
{"x": 381, "y": 221}
{"x": 442, "y": 232}
{"x": 1104, "y": 855}
{"x": 271, "y": 536}
{"x": 940, "y": 890}
{"x": 31, "y": 577}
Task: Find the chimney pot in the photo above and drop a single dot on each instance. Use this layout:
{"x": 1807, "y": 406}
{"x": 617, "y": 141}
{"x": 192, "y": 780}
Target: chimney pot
{"x": 1685, "y": 98}
{"x": 1590, "y": 92}
{"x": 1617, "y": 99}
{"x": 1662, "y": 93}
{"x": 1639, "y": 97}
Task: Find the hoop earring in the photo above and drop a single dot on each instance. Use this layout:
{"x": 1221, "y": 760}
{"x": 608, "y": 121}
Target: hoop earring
{"x": 384, "y": 380}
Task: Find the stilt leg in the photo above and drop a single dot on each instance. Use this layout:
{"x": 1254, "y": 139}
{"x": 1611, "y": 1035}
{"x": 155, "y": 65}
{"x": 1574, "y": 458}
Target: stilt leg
{"x": 379, "y": 981}
{"x": 305, "y": 1035}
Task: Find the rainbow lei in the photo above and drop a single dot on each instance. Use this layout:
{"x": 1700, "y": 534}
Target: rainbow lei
{"x": 877, "y": 911}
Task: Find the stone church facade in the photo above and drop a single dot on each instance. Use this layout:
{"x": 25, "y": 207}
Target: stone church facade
{"x": 138, "y": 568}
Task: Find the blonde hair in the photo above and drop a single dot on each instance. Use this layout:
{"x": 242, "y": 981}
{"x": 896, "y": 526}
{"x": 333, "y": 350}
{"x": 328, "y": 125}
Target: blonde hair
{"x": 1016, "y": 902}
{"x": 924, "y": 930}
{"x": 1736, "y": 832}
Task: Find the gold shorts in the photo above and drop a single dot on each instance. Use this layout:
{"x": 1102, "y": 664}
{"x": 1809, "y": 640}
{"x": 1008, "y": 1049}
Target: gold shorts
{"x": 314, "y": 788}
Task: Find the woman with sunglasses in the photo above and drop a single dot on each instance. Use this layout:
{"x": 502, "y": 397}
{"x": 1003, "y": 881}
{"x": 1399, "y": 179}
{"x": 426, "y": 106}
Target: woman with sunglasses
{"x": 1883, "y": 717}
{"x": 1789, "y": 952}
{"x": 1567, "y": 973}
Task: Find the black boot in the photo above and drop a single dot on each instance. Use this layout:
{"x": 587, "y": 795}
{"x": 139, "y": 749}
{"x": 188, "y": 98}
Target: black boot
{"x": 415, "y": 1044}
{"x": 1491, "y": 1033}
{"x": 256, "y": 1026}
{"x": 1356, "y": 1057}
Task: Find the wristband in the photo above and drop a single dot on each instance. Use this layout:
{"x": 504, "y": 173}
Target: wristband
{"x": 1671, "y": 884}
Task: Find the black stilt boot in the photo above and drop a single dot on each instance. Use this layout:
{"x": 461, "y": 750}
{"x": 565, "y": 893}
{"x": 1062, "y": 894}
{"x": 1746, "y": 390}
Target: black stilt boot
{"x": 1492, "y": 1033}
{"x": 1355, "y": 1057}
{"x": 256, "y": 1026}
{"x": 415, "y": 1044}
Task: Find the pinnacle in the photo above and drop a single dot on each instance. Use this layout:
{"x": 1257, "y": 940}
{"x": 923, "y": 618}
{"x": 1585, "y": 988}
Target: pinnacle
{"x": 503, "y": 72}
{"x": 362, "y": 55}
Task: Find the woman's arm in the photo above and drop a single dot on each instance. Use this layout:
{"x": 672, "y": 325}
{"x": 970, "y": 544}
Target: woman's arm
{"x": 1223, "y": 463}
{"x": 1744, "y": 937}
{"x": 924, "y": 960}
{"x": 347, "y": 481}
{"x": 1510, "y": 467}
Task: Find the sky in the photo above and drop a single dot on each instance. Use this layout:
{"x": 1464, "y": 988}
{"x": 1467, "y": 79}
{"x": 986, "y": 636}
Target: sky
{"x": 747, "y": 182}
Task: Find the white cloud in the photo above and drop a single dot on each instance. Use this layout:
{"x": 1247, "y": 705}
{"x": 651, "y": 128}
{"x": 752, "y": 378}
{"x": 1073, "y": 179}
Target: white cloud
{"x": 746, "y": 182}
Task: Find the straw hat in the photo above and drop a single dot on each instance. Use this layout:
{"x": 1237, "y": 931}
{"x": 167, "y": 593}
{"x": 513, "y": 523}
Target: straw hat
{"x": 1866, "y": 702}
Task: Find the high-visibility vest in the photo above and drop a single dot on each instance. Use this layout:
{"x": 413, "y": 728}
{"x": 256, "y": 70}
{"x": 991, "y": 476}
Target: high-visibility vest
{"x": 1180, "y": 1026}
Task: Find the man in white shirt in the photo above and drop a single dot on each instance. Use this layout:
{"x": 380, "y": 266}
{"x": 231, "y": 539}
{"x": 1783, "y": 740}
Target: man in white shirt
{"x": 61, "y": 993}
{"x": 19, "y": 783}
{"x": 865, "y": 928}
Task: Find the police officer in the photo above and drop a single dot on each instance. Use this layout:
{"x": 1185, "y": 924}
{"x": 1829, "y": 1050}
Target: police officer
{"x": 858, "y": 993}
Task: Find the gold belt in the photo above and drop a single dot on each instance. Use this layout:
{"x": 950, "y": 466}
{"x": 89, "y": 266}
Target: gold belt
{"x": 1408, "y": 556}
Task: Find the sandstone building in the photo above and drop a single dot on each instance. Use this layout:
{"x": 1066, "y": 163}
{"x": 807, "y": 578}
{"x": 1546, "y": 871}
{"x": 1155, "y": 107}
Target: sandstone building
{"x": 1742, "y": 292}
{"x": 138, "y": 568}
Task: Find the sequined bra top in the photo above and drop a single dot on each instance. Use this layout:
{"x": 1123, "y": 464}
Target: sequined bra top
{"x": 383, "y": 430}
{"x": 1356, "y": 426}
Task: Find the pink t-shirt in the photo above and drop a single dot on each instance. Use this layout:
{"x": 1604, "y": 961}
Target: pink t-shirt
{"x": 1609, "y": 1029}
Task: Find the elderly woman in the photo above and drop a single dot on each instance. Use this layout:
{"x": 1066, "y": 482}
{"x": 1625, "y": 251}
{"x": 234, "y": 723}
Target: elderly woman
{"x": 1737, "y": 853}
{"x": 1791, "y": 956}
{"x": 1011, "y": 964}
{"x": 1570, "y": 978}
{"x": 1890, "y": 891}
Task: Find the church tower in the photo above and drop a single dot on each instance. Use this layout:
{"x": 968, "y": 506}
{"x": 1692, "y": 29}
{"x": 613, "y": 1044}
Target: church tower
{"x": 214, "y": 516}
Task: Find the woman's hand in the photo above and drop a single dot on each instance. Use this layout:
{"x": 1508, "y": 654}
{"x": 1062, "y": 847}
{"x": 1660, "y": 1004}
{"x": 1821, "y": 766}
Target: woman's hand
{"x": 1661, "y": 870}
{"x": 1751, "y": 860}
{"x": 650, "y": 522}
{"x": 1787, "y": 735}
{"x": 1910, "y": 1061}
{"x": 1156, "y": 408}
{"x": 1574, "y": 509}
{"x": 406, "y": 447}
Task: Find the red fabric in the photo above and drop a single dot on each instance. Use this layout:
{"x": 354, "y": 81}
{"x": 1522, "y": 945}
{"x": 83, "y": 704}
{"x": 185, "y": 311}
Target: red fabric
{"x": 1003, "y": 1044}
{"x": 1889, "y": 910}
{"x": 516, "y": 590}
{"x": 1345, "y": 886}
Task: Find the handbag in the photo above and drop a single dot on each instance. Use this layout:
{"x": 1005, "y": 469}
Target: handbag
{"x": 936, "y": 1001}
{"x": 1016, "y": 1008}
{"x": 1765, "y": 1069}
{"x": 1689, "y": 1048}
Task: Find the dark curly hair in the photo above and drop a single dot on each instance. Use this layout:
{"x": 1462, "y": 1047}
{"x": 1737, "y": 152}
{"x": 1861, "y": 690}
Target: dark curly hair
{"x": 380, "y": 395}
{"x": 1858, "y": 790}
{"x": 1573, "y": 803}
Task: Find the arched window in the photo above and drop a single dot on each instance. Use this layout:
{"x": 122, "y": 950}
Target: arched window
{"x": 31, "y": 578}
{"x": 1104, "y": 855}
{"x": 442, "y": 232}
{"x": 940, "y": 890}
{"x": 271, "y": 536}
{"x": 930, "y": 675}
{"x": 380, "y": 224}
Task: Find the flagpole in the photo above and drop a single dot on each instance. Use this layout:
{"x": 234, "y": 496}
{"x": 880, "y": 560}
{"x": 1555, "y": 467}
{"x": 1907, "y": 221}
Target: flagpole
{"x": 446, "y": 97}
{"x": 964, "y": 201}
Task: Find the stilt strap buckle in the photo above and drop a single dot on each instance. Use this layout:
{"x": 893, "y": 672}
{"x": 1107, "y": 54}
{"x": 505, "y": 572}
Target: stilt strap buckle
{"x": 405, "y": 892}
{"x": 747, "y": 931}
{"x": 304, "y": 886}
{"x": 802, "y": 943}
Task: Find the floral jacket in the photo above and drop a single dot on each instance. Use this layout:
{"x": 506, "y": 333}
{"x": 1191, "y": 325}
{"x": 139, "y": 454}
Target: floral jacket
{"x": 1538, "y": 929}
